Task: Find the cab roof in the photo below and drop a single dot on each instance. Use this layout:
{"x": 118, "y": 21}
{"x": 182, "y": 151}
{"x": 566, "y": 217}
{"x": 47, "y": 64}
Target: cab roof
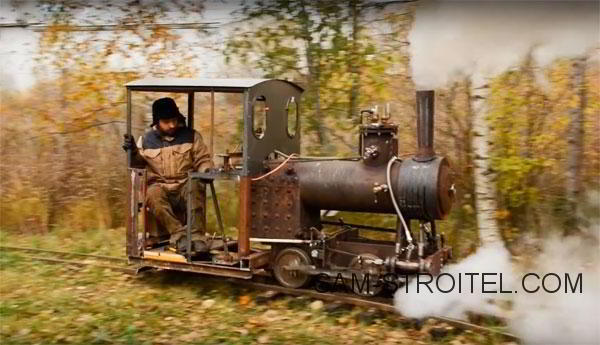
{"x": 198, "y": 84}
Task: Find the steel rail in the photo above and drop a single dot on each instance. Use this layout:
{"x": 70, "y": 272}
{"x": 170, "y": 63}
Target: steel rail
{"x": 57, "y": 252}
{"x": 377, "y": 304}
{"x": 123, "y": 269}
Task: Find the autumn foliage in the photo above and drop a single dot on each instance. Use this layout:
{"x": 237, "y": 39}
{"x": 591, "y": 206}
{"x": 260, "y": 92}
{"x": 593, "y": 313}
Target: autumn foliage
{"x": 62, "y": 164}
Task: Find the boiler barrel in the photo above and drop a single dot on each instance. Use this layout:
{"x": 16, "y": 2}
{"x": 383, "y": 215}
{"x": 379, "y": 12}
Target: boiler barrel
{"x": 422, "y": 189}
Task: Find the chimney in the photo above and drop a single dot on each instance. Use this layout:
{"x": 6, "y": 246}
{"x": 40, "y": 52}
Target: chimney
{"x": 425, "y": 126}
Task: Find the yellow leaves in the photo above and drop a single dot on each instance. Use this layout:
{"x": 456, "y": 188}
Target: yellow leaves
{"x": 502, "y": 214}
{"x": 244, "y": 300}
{"x": 468, "y": 209}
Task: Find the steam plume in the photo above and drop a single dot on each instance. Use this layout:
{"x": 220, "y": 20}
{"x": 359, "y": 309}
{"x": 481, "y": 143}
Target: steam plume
{"x": 483, "y": 38}
{"x": 452, "y": 39}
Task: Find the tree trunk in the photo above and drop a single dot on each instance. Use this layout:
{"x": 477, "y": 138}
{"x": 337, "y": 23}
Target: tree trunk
{"x": 313, "y": 62}
{"x": 485, "y": 189}
{"x": 575, "y": 146}
{"x": 527, "y": 210}
{"x": 353, "y": 62}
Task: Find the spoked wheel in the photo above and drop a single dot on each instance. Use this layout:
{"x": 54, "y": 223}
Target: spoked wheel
{"x": 359, "y": 284}
{"x": 291, "y": 278}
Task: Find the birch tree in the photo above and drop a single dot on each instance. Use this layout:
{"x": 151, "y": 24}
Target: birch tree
{"x": 483, "y": 177}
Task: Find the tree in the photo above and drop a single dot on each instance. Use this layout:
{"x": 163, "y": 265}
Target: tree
{"x": 485, "y": 191}
{"x": 575, "y": 144}
{"x": 71, "y": 138}
{"x": 323, "y": 45}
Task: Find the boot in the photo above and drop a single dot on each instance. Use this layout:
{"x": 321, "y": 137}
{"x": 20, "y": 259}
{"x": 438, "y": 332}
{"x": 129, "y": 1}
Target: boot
{"x": 154, "y": 241}
{"x": 177, "y": 240}
{"x": 199, "y": 243}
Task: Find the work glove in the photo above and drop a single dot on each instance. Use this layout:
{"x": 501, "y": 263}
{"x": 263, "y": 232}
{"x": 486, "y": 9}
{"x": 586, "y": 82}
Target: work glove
{"x": 129, "y": 143}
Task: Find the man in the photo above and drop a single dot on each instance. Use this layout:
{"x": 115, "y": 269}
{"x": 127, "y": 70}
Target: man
{"x": 169, "y": 151}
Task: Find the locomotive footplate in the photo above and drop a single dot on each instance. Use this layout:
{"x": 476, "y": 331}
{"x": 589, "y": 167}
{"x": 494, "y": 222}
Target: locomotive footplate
{"x": 196, "y": 267}
{"x": 217, "y": 262}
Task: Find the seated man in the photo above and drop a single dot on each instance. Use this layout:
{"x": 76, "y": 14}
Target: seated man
{"x": 169, "y": 151}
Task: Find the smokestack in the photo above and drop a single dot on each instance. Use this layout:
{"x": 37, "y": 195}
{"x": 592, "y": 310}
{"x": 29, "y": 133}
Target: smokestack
{"x": 425, "y": 125}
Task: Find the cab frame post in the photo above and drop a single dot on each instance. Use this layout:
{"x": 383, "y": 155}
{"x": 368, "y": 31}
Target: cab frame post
{"x": 190, "y": 111}
{"x": 245, "y": 221}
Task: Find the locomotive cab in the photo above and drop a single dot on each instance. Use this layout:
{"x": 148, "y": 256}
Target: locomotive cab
{"x": 281, "y": 195}
{"x": 266, "y": 130}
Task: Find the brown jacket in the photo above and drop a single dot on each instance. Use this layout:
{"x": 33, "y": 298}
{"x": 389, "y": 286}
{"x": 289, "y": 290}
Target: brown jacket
{"x": 169, "y": 159}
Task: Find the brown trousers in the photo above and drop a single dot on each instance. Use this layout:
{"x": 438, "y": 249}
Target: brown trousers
{"x": 169, "y": 207}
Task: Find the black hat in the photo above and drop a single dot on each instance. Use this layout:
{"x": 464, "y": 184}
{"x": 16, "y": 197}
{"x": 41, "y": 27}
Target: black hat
{"x": 165, "y": 108}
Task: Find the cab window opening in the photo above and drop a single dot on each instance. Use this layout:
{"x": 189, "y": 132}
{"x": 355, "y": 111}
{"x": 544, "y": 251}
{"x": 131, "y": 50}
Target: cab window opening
{"x": 259, "y": 116}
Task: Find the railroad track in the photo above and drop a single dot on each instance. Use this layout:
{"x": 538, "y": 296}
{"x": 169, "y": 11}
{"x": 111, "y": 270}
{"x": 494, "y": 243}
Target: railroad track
{"x": 121, "y": 264}
{"x": 68, "y": 258}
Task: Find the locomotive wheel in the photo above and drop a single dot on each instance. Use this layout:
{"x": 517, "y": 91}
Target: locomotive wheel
{"x": 358, "y": 285}
{"x": 291, "y": 278}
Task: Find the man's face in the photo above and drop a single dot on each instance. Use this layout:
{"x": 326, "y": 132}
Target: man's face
{"x": 168, "y": 126}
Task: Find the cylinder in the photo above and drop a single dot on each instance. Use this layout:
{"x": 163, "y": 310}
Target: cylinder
{"x": 425, "y": 113}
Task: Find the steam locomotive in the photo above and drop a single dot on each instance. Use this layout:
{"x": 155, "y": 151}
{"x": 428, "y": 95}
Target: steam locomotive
{"x": 283, "y": 194}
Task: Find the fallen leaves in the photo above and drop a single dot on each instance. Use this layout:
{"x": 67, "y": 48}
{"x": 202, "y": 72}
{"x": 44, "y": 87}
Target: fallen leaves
{"x": 270, "y": 316}
{"x": 152, "y": 309}
{"x": 263, "y": 339}
{"x": 190, "y": 337}
{"x": 208, "y": 303}
{"x": 316, "y": 305}
{"x": 245, "y": 300}
{"x": 85, "y": 318}
{"x": 24, "y": 331}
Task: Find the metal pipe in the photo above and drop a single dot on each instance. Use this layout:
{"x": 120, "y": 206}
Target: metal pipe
{"x": 358, "y": 226}
{"x": 421, "y": 244}
{"x": 219, "y": 220}
{"x": 408, "y": 265}
{"x": 399, "y": 230}
{"x": 398, "y": 212}
{"x": 128, "y": 129}
{"x": 188, "y": 226}
{"x": 425, "y": 113}
{"x": 244, "y": 226}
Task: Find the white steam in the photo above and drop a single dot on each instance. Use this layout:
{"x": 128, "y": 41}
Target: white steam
{"x": 561, "y": 318}
{"x": 536, "y": 318}
{"x": 489, "y": 259}
{"x": 483, "y": 38}
{"x": 567, "y": 316}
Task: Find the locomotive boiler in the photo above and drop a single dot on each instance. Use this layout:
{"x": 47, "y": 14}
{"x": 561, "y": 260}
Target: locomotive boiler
{"x": 283, "y": 196}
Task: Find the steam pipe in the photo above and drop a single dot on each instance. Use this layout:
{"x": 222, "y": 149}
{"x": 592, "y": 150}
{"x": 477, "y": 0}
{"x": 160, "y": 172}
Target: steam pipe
{"x": 425, "y": 110}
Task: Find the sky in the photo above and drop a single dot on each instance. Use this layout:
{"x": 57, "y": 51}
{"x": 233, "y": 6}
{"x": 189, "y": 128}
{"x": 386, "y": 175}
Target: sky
{"x": 18, "y": 46}
{"x": 450, "y": 38}
{"x": 454, "y": 39}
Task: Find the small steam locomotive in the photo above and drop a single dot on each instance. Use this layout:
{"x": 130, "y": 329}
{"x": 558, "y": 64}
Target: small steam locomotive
{"x": 282, "y": 195}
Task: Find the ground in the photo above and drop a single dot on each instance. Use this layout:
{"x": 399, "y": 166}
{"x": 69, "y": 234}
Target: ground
{"x": 43, "y": 303}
